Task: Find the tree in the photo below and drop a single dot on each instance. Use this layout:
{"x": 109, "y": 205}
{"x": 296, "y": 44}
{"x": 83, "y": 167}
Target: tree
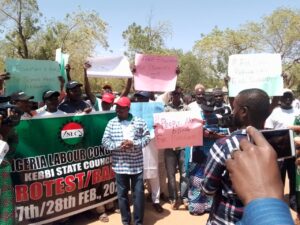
{"x": 280, "y": 33}
{"x": 78, "y": 35}
{"x": 276, "y": 33}
{"x": 19, "y": 18}
{"x": 215, "y": 48}
{"x": 150, "y": 39}
{"x": 192, "y": 72}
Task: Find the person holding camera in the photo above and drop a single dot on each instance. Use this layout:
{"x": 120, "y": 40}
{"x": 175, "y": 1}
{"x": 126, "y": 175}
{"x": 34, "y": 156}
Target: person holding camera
{"x": 258, "y": 185}
{"x": 251, "y": 108}
{"x": 22, "y": 101}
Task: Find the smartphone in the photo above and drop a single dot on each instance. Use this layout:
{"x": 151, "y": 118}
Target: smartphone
{"x": 282, "y": 140}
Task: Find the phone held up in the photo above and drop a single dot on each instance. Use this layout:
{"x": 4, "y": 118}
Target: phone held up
{"x": 281, "y": 140}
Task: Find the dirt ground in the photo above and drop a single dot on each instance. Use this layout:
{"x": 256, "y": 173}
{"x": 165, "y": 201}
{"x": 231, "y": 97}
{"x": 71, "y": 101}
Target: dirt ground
{"x": 168, "y": 217}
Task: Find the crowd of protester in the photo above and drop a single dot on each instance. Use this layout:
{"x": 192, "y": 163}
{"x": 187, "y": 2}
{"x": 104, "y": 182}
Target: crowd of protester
{"x": 218, "y": 178}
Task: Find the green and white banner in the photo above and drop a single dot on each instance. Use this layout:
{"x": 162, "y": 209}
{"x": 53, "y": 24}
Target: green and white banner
{"x": 60, "y": 167}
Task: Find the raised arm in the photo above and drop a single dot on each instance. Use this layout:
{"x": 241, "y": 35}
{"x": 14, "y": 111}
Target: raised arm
{"x": 87, "y": 86}
{"x": 126, "y": 89}
{"x": 68, "y": 69}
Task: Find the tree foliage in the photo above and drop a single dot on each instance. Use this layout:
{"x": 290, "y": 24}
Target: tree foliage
{"x": 275, "y": 33}
{"x": 216, "y": 47}
{"x": 78, "y": 35}
{"x": 280, "y": 33}
{"x": 19, "y": 19}
{"x": 25, "y": 36}
{"x": 149, "y": 39}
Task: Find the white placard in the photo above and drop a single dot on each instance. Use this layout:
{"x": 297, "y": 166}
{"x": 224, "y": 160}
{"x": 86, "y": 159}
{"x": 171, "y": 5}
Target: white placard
{"x": 261, "y": 71}
{"x": 112, "y": 66}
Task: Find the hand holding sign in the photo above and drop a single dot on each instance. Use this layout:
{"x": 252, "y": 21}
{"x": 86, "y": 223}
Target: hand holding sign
{"x": 155, "y": 73}
{"x": 178, "y": 129}
{"x": 113, "y": 66}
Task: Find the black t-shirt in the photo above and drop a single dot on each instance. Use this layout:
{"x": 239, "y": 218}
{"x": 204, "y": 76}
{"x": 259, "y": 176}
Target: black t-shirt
{"x": 73, "y": 107}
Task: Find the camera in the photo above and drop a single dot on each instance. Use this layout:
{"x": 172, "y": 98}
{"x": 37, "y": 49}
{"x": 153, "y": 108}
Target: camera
{"x": 11, "y": 115}
{"x": 223, "y": 117}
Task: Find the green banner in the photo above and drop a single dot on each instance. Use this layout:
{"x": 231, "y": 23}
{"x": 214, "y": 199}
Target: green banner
{"x": 60, "y": 167}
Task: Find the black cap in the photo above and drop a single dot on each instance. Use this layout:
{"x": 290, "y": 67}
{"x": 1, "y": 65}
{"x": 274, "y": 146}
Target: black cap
{"x": 145, "y": 94}
{"x": 4, "y": 99}
{"x": 49, "y": 94}
{"x": 72, "y": 84}
{"x": 20, "y": 96}
{"x": 217, "y": 91}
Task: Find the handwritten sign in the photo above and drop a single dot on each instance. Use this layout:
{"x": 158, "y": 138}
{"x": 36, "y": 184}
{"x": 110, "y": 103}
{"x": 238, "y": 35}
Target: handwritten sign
{"x": 155, "y": 73}
{"x": 31, "y": 76}
{"x": 113, "y": 66}
{"x": 145, "y": 110}
{"x": 261, "y": 71}
{"x": 178, "y": 129}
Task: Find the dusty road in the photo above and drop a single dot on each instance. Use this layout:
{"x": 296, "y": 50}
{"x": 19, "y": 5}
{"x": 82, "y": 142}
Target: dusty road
{"x": 168, "y": 217}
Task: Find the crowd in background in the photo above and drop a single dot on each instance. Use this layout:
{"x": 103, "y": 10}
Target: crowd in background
{"x": 204, "y": 184}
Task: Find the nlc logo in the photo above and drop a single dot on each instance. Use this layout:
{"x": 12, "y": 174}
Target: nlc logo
{"x": 72, "y": 133}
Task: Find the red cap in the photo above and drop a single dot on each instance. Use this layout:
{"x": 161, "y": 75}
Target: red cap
{"x": 108, "y": 97}
{"x": 123, "y": 102}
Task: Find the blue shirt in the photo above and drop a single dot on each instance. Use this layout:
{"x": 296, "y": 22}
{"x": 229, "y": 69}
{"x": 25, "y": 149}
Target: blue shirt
{"x": 266, "y": 211}
{"x": 126, "y": 161}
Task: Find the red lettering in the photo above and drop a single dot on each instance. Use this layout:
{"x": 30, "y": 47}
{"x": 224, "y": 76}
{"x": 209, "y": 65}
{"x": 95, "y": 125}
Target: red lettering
{"x": 105, "y": 173}
{"x": 79, "y": 177}
{"x": 36, "y": 191}
{"x": 59, "y": 186}
{"x": 21, "y": 192}
{"x": 48, "y": 185}
{"x": 112, "y": 173}
{"x": 96, "y": 176}
{"x": 71, "y": 186}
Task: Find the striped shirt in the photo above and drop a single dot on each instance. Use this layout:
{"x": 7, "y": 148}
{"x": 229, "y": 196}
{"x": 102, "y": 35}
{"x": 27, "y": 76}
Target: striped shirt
{"x": 227, "y": 208}
{"x": 126, "y": 161}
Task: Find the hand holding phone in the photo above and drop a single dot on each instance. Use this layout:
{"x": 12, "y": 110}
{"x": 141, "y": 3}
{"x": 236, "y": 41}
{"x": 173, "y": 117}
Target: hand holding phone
{"x": 254, "y": 170}
{"x": 282, "y": 141}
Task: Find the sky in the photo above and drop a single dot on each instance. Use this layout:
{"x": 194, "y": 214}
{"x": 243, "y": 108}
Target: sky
{"x": 188, "y": 19}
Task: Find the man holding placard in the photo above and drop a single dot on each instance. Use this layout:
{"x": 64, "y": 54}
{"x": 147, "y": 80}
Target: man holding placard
{"x": 175, "y": 157}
